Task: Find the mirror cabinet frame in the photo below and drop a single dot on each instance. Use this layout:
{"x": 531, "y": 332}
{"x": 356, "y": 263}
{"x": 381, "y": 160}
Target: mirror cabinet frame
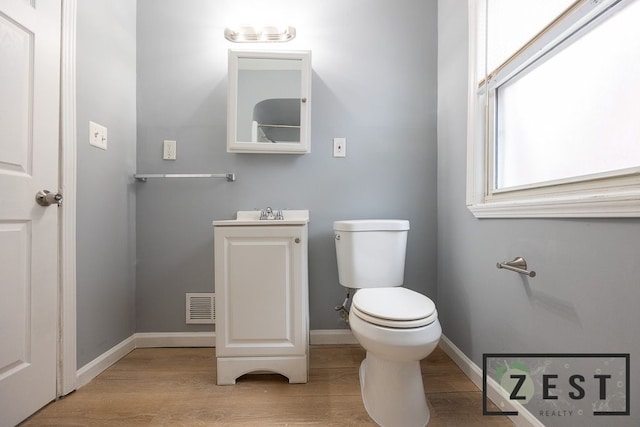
{"x": 236, "y": 146}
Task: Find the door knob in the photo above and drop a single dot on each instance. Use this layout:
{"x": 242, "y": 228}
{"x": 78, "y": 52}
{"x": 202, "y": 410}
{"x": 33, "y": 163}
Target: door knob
{"x": 47, "y": 198}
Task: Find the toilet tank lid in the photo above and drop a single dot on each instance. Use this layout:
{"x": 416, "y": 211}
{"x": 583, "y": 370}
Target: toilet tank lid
{"x": 371, "y": 225}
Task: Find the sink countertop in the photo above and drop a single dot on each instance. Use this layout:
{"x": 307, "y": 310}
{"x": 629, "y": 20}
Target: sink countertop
{"x": 291, "y": 217}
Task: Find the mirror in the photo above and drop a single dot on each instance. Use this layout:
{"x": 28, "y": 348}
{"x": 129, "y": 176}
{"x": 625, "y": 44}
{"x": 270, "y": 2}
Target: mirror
{"x": 269, "y": 102}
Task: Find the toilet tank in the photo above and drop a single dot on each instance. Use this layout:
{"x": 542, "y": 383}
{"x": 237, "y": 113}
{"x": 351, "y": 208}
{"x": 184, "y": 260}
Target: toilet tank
{"x": 371, "y": 253}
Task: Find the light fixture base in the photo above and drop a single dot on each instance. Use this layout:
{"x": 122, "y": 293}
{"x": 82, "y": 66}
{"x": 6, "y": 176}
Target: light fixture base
{"x": 269, "y": 33}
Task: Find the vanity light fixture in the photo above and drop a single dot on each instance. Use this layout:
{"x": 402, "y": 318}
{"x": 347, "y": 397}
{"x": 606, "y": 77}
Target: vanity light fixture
{"x": 248, "y": 34}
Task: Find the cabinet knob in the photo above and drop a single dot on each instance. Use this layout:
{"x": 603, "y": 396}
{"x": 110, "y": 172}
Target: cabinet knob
{"x": 297, "y": 240}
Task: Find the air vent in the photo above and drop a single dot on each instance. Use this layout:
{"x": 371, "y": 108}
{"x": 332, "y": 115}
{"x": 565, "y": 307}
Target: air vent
{"x": 201, "y": 308}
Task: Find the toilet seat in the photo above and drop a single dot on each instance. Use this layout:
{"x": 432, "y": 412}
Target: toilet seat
{"x": 394, "y": 307}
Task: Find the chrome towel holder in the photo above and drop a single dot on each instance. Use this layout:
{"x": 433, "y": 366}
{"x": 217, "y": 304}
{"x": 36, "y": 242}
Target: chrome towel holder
{"x": 143, "y": 177}
{"x": 519, "y": 265}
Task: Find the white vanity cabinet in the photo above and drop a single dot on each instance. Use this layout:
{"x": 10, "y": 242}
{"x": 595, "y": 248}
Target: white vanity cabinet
{"x": 261, "y": 285}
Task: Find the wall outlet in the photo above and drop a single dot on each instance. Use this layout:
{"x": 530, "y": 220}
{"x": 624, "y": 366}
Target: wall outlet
{"x": 339, "y": 147}
{"x": 169, "y": 150}
{"x": 98, "y": 135}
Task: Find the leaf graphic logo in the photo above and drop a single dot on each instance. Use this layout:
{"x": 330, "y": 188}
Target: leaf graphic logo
{"x": 516, "y": 380}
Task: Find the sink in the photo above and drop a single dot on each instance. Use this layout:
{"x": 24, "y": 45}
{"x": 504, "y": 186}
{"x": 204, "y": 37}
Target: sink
{"x": 291, "y": 217}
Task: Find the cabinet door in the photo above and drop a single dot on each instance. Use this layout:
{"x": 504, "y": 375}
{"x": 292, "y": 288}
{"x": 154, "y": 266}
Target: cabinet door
{"x": 261, "y": 296}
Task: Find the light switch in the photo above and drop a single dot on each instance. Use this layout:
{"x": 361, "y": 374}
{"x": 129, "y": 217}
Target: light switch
{"x": 339, "y": 147}
{"x": 98, "y": 135}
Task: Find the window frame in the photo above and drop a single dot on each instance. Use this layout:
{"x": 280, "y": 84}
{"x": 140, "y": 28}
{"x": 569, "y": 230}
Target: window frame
{"x": 605, "y": 195}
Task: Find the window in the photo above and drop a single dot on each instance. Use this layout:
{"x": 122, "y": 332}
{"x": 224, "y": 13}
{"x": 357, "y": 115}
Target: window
{"x": 554, "y": 108}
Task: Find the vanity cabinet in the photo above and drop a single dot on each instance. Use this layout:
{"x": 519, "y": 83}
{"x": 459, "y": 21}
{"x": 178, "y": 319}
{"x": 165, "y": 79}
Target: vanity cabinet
{"x": 261, "y": 285}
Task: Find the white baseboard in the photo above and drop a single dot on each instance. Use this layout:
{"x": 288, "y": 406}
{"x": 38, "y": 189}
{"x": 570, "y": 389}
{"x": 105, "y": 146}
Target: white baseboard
{"x": 331, "y": 336}
{"x": 175, "y": 339}
{"x": 106, "y": 359}
{"x": 495, "y": 392}
{"x": 208, "y": 339}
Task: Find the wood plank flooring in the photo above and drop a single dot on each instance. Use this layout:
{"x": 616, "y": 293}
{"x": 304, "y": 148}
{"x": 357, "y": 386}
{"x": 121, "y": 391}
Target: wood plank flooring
{"x": 177, "y": 387}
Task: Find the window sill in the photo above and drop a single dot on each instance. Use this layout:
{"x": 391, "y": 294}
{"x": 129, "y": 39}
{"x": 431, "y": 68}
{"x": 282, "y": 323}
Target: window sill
{"x": 620, "y": 204}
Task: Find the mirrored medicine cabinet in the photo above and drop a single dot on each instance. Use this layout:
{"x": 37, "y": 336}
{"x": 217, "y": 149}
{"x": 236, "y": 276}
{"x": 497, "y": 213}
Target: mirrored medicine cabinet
{"x": 269, "y": 102}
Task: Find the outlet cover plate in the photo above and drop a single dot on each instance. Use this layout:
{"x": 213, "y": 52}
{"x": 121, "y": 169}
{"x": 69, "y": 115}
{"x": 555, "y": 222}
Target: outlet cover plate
{"x": 97, "y": 135}
{"x": 169, "y": 150}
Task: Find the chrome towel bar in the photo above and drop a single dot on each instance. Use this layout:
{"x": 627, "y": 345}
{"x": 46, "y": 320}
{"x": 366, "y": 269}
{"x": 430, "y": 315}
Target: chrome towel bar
{"x": 143, "y": 177}
{"x": 260, "y": 125}
{"x": 519, "y": 265}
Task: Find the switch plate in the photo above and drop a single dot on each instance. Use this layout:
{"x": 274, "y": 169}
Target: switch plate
{"x": 169, "y": 150}
{"x": 97, "y": 135}
{"x": 339, "y": 147}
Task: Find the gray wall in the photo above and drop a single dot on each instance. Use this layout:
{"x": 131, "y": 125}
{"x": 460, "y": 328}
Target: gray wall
{"x": 585, "y": 297}
{"x": 106, "y": 54}
{"x": 374, "y": 82}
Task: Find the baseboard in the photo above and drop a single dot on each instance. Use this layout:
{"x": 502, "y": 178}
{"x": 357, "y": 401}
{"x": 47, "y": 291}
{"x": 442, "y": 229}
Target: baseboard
{"x": 331, "y": 336}
{"x": 175, "y": 339}
{"x": 495, "y": 392}
{"x": 94, "y": 368}
{"x": 208, "y": 339}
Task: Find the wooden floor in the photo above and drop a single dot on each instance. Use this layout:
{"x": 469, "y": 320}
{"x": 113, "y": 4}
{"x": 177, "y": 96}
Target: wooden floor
{"x": 177, "y": 387}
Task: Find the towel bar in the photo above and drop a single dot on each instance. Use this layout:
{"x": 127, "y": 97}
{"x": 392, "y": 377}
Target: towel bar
{"x": 143, "y": 177}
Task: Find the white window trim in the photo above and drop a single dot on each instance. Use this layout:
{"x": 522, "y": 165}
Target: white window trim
{"x": 601, "y": 196}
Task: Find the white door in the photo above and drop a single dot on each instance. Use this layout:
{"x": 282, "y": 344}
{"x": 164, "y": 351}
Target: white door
{"x": 29, "y": 156}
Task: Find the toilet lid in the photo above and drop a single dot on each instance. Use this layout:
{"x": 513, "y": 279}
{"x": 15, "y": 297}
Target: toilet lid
{"x": 394, "y": 307}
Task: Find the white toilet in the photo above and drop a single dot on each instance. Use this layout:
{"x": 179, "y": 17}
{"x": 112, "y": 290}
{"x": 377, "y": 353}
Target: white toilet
{"x": 396, "y": 326}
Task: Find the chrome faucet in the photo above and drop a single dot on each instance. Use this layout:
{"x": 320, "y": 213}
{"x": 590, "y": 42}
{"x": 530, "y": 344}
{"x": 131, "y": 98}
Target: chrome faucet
{"x": 266, "y": 213}
{"x": 269, "y": 213}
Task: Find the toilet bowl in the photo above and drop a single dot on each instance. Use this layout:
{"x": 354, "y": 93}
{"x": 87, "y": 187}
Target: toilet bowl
{"x": 390, "y": 376}
{"x": 396, "y": 326}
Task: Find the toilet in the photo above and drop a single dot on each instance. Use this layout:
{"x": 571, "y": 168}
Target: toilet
{"x": 395, "y": 325}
